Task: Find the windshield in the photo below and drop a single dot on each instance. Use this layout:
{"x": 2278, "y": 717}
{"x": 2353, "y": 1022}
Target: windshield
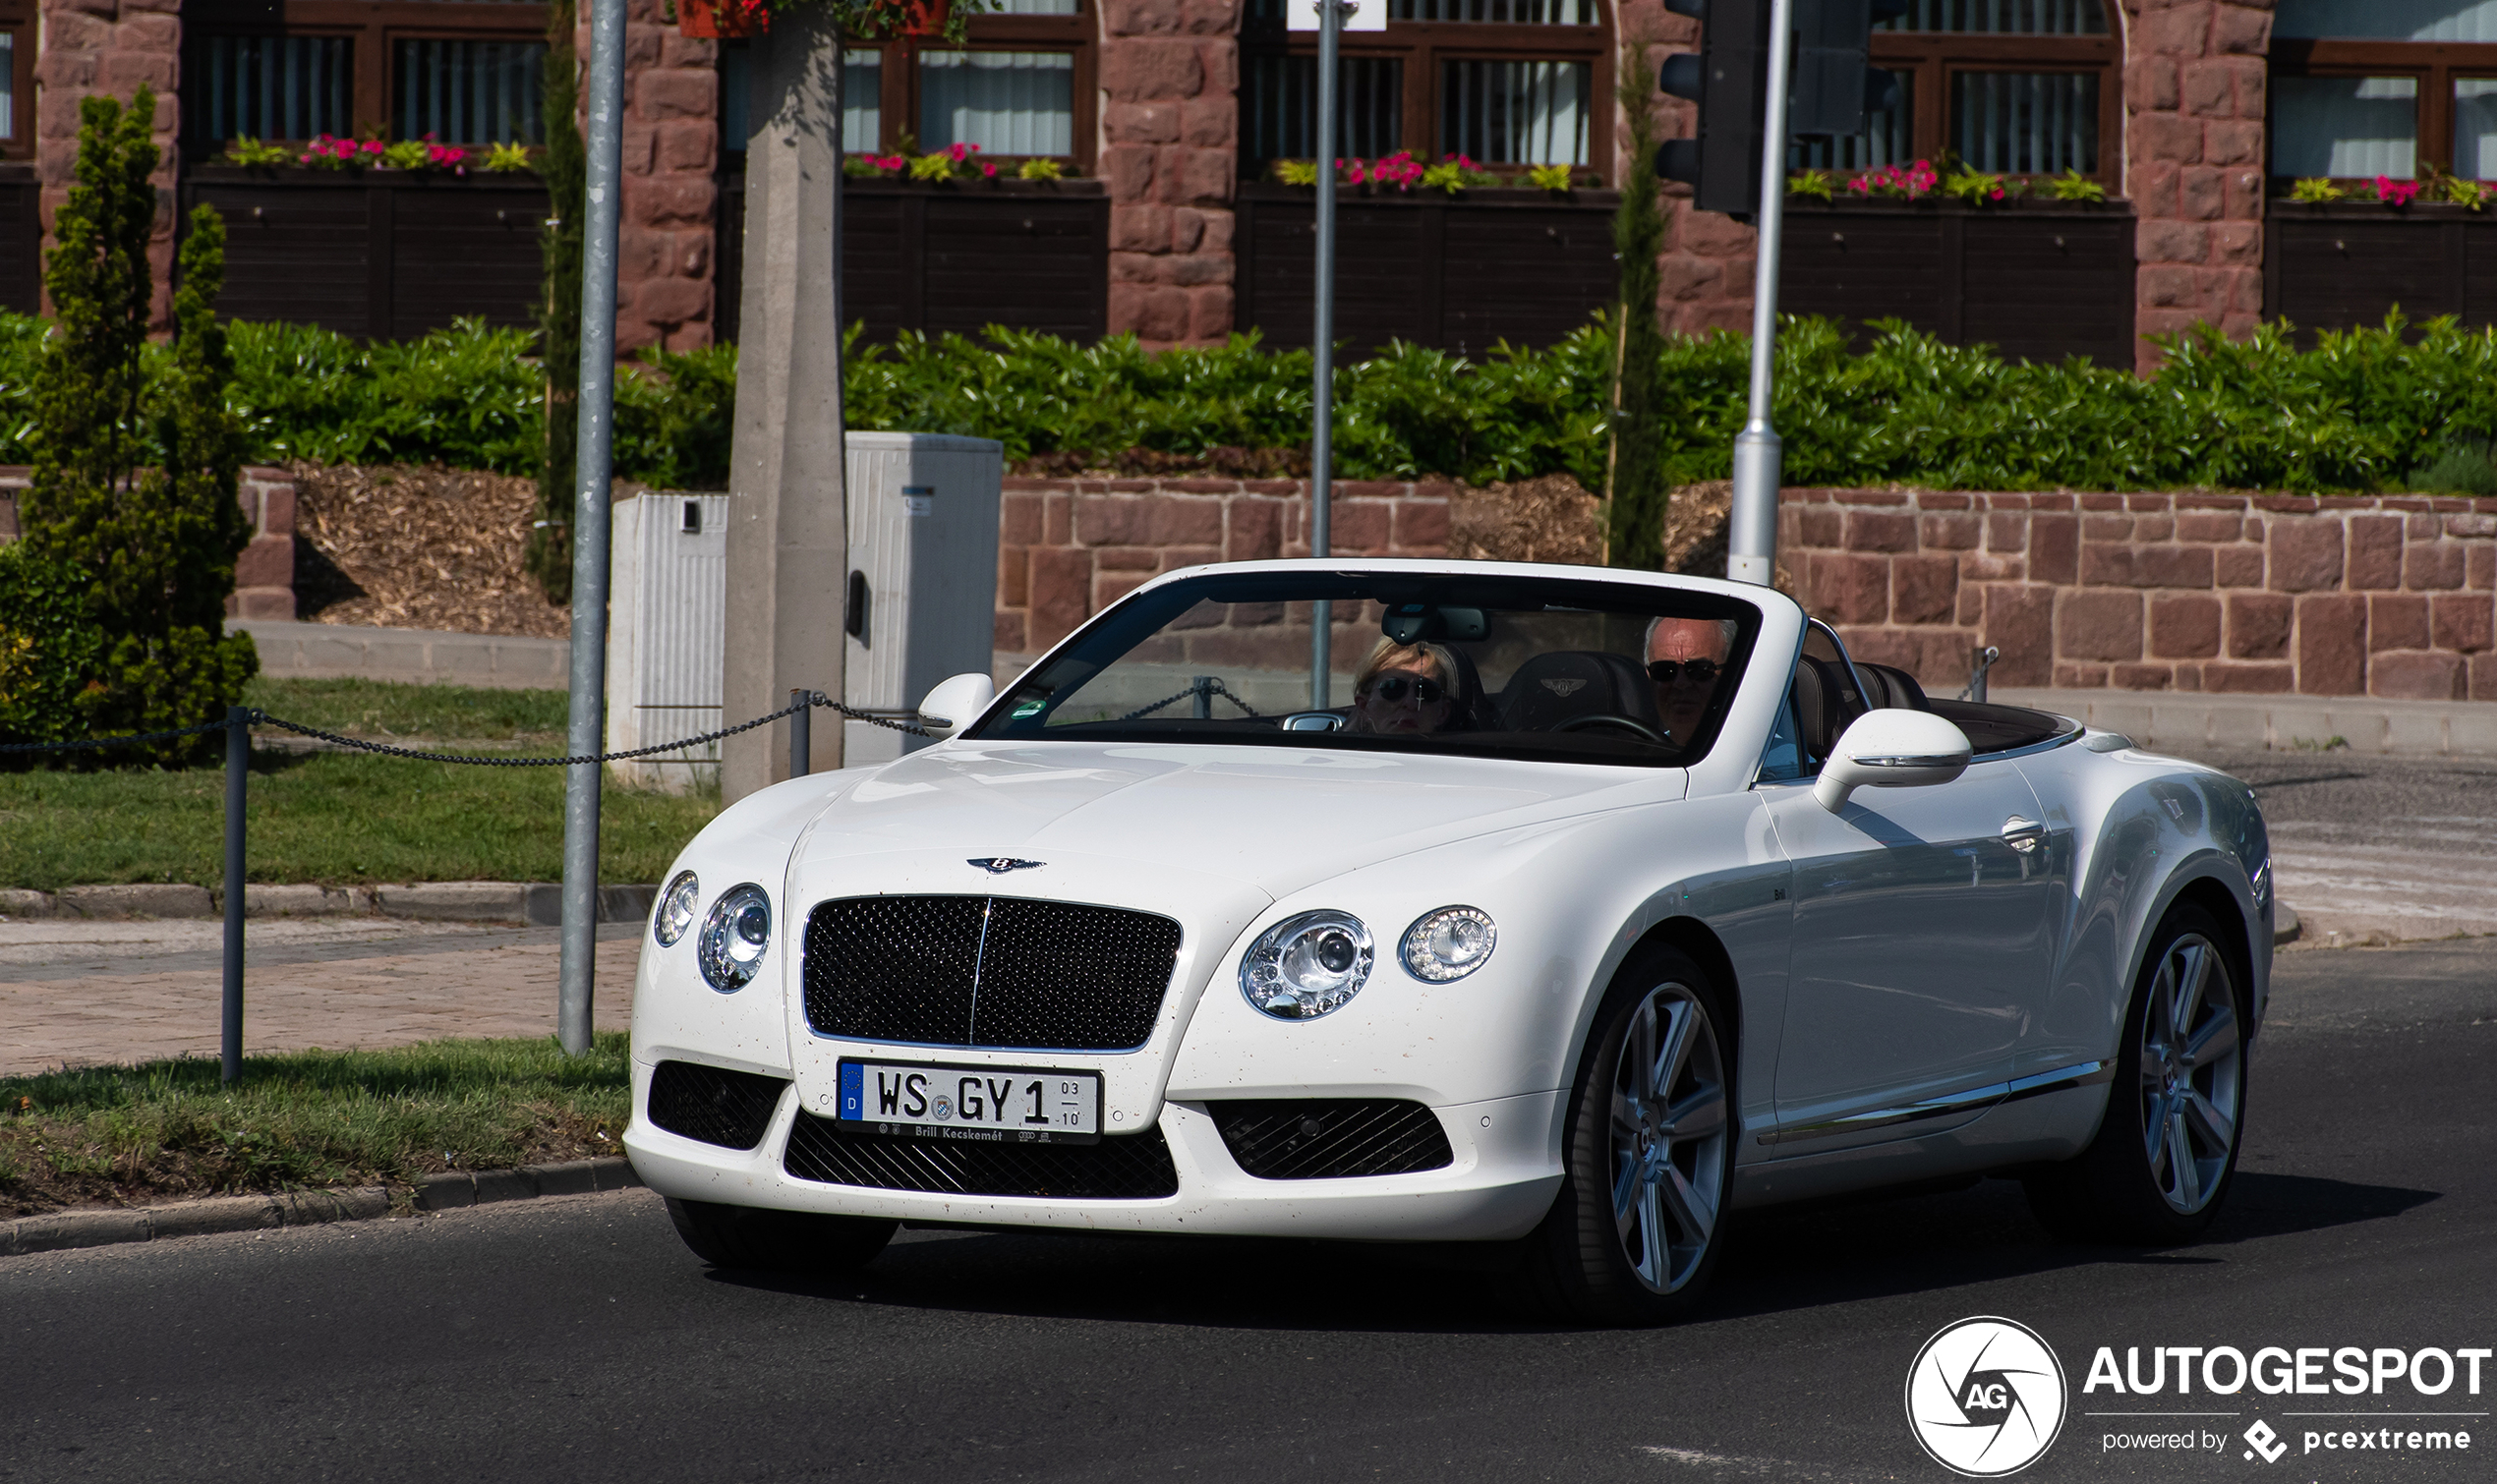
{"x": 1583, "y": 671}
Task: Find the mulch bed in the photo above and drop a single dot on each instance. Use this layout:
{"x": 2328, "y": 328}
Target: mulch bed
{"x": 417, "y": 546}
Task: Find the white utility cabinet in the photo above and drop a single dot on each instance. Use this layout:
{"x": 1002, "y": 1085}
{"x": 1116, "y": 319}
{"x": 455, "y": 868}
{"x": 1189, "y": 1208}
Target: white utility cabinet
{"x": 921, "y": 593}
{"x": 666, "y": 615}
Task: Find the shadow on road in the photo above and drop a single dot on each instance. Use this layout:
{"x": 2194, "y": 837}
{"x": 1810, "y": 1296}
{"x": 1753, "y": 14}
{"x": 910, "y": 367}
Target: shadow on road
{"x": 1778, "y": 1260}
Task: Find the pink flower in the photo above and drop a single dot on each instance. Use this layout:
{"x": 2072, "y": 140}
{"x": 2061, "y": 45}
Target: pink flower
{"x": 988, "y": 168}
{"x": 2396, "y": 193}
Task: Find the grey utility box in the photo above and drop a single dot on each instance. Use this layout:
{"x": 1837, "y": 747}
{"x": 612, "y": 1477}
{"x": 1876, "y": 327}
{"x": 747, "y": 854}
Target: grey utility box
{"x": 667, "y": 610}
{"x": 921, "y": 601}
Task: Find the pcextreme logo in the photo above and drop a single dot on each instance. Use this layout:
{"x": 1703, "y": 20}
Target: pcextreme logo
{"x": 1986, "y": 1397}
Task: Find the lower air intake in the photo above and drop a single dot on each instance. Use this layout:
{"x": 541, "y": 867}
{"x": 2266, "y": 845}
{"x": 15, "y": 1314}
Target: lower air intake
{"x": 713, "y": 1104}
{"x": 1331, "y": 1139}
{"x": 1128, "y": 1168}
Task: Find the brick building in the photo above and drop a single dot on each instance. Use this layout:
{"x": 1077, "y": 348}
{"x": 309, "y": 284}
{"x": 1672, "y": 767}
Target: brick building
{"x": 2194, "y": 117}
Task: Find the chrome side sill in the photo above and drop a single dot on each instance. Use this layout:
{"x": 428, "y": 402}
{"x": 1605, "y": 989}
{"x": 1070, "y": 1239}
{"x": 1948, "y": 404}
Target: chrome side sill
{"x": 2037, "y": 1084}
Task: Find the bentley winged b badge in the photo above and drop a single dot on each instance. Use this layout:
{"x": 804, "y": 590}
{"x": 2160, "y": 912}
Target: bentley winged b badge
{"x": 999, "y": 864}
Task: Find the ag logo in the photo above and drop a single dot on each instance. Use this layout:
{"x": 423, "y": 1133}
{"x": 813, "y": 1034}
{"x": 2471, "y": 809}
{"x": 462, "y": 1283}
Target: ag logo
{"x": 1986, "y": 1397}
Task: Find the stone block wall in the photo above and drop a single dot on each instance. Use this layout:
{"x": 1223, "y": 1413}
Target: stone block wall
{"x": 2392, "y": 595}
{"x": 2194, "y": 86}
{"x": 672, "y": 142}
{"x": 1069, "y": 547}
{"x": 111, "y": 47}
{"x": 1169, "y": 70}
{"x": 264, "y": 575}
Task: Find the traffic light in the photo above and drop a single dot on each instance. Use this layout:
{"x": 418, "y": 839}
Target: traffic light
{"x": 1727, "y": 76}
{"x": 1830, "y": 88}
{"x": 1835, "y": 83}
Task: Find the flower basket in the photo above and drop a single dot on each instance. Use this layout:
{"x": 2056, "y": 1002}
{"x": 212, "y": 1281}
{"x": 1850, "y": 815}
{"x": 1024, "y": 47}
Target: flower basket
{"x": 722, "y": 20}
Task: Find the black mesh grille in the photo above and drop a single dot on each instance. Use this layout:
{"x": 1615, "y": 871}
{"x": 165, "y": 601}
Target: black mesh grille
{"x": 1129, "y": 1167}
{"x": 1309, "y": 1139}
{"x": 713, "y": 1104}
{"x": 1001, "y": 972}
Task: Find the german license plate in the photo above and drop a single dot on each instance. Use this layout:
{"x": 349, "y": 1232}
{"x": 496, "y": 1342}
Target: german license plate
{"x": 1005, "y": 1105}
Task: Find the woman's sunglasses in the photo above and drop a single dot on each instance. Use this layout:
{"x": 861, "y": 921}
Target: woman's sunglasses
{"x": 1391, "y": 689}
{"x": 1663, "y": 671}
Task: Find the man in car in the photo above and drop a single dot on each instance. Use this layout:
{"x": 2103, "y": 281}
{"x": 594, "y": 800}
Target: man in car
{"x": 1684, "y": 659}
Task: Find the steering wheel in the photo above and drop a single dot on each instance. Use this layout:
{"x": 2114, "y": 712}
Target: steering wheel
{"x": 1606, "y": 719}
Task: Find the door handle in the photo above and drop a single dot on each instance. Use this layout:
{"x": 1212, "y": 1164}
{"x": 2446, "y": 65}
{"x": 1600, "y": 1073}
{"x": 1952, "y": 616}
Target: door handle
{"x": 2022, "y": 834}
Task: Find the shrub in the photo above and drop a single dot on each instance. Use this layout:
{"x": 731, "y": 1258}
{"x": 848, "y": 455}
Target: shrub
{"x": 133, "y": 480}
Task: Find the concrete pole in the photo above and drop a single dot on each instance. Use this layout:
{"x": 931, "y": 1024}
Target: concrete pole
{"x": 1751, "y": 534}
{"x": 592, "y": 463}
{"x": 789, "y": 539}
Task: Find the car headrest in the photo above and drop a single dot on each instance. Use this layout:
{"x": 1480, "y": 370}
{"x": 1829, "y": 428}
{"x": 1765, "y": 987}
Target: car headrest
{"x": 1823, "y": 705}
{"x": 1887, "y": 687}
{"x": 1556, "y": 687}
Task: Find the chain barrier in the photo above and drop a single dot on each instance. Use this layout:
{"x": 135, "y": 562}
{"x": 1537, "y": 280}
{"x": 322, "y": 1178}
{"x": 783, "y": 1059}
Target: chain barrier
{"x": 1209, "y": 692}
{"x": 358, "y": 744}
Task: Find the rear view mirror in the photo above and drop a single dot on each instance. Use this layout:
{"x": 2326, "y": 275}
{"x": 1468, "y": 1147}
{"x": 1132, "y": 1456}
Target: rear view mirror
{"x": 1892, "y": 748}
{"x": 956, "y": 703}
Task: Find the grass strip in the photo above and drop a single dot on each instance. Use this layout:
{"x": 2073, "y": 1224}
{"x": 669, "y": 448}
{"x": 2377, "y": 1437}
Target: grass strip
{"x": 343, "y": 818}
{"x": 168, "y": 1130}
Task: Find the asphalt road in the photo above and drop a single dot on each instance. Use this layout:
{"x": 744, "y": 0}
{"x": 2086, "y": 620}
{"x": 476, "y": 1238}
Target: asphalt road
{"x": 576, "y": 1340}
{"x": 2379, "y": 848}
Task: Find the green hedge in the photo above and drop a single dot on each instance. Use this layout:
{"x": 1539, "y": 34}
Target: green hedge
{"x": 2365, "y": 409}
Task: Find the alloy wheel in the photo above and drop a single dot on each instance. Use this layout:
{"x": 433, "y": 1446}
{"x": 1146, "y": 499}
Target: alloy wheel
{"x": 1669, "y": 1137}
{"x": 2192, "y": 1064}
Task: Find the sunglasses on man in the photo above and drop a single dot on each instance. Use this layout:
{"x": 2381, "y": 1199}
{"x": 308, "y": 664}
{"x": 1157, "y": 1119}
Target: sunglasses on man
{"x": 1391, "y": 688}
{"x": 1664, "y": 671}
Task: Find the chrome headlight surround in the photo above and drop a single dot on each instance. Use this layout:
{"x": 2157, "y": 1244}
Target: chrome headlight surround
{"x": 734, "y": 938}
{"x": 675, "y": 913}
{"x": 1307, "y": 965}
{"x": 1447, "y": 944}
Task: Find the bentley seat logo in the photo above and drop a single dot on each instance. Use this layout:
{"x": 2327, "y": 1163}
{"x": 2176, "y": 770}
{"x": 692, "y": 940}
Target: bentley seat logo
{"x": 999, "y": 864}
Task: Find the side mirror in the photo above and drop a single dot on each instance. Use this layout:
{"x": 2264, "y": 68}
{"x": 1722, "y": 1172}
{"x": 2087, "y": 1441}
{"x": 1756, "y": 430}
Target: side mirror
{"x": 1892, "y": 748}
{"x": 954, "y": 703}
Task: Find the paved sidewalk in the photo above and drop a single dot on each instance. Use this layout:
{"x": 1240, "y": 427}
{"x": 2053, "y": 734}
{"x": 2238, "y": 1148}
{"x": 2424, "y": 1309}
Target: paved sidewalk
{"x": 76, "y": 993}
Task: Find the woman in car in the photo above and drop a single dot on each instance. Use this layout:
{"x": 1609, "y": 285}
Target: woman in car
{"x": 1409, "y": 688}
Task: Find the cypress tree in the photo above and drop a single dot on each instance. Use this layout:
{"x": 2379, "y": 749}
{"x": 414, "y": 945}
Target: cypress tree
{"x": 564, "y": 165}
{"x": 157, "y": 544}
{"x": 1639, "y": 487}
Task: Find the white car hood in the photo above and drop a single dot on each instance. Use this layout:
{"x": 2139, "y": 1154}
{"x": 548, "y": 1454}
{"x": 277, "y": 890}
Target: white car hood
{"x": 1275, "y": 818}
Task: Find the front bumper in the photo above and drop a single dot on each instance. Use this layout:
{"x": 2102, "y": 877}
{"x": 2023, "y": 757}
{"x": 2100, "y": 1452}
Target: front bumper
{"x": 1500, "y": 1182}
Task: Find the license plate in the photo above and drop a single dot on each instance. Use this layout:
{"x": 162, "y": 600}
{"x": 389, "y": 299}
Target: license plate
{"x": 999, "y": 1103}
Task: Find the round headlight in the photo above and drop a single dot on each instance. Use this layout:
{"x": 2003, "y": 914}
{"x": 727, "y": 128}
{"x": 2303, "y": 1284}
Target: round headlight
{"x": 1449, "y": 944}
{"x": 1305, "y": 966}
{"x": 735, "y": 936}
{"x": 675, "y": 909}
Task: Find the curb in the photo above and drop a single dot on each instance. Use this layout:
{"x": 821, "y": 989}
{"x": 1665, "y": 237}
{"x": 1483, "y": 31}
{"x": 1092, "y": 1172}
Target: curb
{"x": 66, "y": 1229}
{"x": 2285, "y": 925}
{"x": 538, "y": 904}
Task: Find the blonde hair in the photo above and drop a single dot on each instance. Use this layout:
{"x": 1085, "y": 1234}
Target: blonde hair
{"x": 1387, "y": 652}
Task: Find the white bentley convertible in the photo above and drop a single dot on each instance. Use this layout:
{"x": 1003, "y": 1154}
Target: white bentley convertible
{"x": 1553, "y": 907}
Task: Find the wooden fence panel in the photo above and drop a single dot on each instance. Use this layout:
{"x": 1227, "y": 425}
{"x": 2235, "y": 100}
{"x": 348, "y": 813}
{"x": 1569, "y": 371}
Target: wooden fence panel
{"x": 20, "y": 242}
{"x": 1459, "y": 275}
{"x": 2035, "y": 281}
{"x": 2345, "y": 266}
{"x": 377, "y": 254}
{"x": 1029, "y": 257}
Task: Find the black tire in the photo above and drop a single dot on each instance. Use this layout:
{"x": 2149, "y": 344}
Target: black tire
{"x": 1585, "y": 1262}
{"x": 2125, "y": 1189}
{"x": 778, "y": 1242}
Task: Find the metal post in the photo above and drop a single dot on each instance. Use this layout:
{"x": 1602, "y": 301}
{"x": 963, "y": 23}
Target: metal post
{"x": 592, "y": 458}
{"x": 801, "y": 741}
{"x": 238, "y": 763}
{"x": 1322, "y": 344}
{"x": 1202, "y": 688}
{"x": 1751, "y": 547}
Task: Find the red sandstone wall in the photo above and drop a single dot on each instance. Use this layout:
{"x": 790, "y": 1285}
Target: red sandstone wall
{"x": 671, "y": 146}
{"x": 2388, "y": 595}
{"x": 1069, "y": 547}
{"x": 2193, "y": 99}
{"x": 264, "y": 575}
{"x": 109, "y": 46}
{"x": 1169, "y": 153}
